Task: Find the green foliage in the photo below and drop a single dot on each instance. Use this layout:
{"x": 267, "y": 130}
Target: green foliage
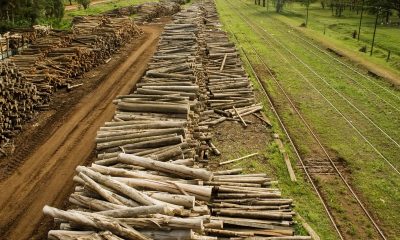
{"x": 24, "y": 13}
{"x": 84, "y": 3}
{"x": 54, "y": 8}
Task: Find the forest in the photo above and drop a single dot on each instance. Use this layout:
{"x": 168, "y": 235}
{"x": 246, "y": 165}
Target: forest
{"x": 24, "y": 13}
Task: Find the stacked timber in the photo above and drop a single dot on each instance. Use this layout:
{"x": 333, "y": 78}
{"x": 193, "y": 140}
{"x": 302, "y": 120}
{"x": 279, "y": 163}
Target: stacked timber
{"x": 21, "y": 37}
{"x": 151, "y": 10}
{"x": 155, "y": 121}
{"x": 148, "y": 11}
{"x": 228, "y": 83}
{"x": 18, "y": 99}
{"x": 248, "y": 206}
{"x": 230, "y": 95}
{"x": 149, "y": 180}
{"x": 54, "y": 60}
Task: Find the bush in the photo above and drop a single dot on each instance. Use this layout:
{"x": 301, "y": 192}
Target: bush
{"x": 84, "y": 3}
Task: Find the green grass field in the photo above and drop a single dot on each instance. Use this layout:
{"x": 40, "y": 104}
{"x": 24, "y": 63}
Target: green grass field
{"x": 340, "y": 30}
{"x": 370, "y": 175}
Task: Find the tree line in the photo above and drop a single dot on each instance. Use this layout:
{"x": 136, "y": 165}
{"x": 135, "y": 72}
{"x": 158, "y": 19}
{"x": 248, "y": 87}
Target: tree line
{"x": 385, "y": 7}
{"x": 28, "y": 12}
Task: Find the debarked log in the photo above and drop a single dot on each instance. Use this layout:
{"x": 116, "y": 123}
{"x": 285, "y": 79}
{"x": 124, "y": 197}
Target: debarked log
{"x": 178, "y": 170}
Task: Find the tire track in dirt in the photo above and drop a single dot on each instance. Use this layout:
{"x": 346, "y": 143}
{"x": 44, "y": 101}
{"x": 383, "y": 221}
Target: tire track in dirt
{"x": 42, "y": 178}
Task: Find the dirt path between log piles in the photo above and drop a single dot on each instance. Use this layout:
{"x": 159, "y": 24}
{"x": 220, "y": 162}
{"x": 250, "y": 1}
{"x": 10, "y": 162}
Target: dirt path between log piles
{"x": 45, "y": 177}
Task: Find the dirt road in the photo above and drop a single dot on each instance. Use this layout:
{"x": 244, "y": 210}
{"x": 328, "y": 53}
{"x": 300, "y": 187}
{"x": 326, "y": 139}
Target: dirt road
{"x": 45, "y": 177}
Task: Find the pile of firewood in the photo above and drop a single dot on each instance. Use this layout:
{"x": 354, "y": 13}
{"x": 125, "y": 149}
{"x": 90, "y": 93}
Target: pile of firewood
{"x": 53, "y": 61}
{"x": 18, "y": 99}
{"x": 150, "y": 179}
{"x": 19, "y": 38}
{"x": 148, "y": 11}
{"x": 228, "y": 83}
{"x": 154, "y": 120}
{"x": 151, "y": 10}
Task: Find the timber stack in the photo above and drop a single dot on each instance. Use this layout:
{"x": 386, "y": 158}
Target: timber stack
{"x": 148, "y": 11}
{"x": 54, "y": 61}
{"x": 151, "y": 179}
{"x": 18, "y": 99}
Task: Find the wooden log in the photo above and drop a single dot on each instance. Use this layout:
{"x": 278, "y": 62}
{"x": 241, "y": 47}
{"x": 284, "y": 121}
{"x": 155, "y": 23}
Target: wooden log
{"x": 68, "y": 234}
{"x": 178, "y": 109}
{"x": 255, "y": 215}
{"x": 92, "y": 203}
{"x": 118, "y": 186}
{"x": 181, "y": 200}
{"x": 237, "y": 159}
{"x": 169, "y": 235}
{"x": 96, "y": 221}
{"x": 158, "y": 221}
{"x": 256, "y": 223}
{"x": 102, "y": 192}
{"x": 308, "y": 228}
{"x": 286, "y": 158}
{"x": 178, "y": 170}
{"x": 136, "y": 211}
{"x": 200, "y": 192}
{"x": 221, "y": 232}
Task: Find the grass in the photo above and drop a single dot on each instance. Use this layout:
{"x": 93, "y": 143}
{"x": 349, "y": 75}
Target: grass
{"x": 376, "y": 183}
{"x": 307, "y": 203}
{"x": 340, "y": 29}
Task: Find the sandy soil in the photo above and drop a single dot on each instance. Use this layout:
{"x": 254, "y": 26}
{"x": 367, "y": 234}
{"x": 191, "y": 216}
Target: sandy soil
{"x": 67, "y": 140}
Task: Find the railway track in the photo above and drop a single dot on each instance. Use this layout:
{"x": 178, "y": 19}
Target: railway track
{"x": 311, "y": 46}
{"x": 356, "y": 122}
{"x": 309, "y": 128}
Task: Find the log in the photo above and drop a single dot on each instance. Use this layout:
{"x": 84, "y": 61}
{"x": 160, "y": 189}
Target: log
{"x": 178, "y": 170}
{"x": 136, "y": 211}
{"x": 96, "y": 221}
{"x": 238, "y": 159}
{"x": 117, "y": 186}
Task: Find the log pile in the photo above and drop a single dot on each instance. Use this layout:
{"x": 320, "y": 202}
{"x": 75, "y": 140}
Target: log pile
{"x": 18, "y": 99}
{"x": 55, "y": 60}
{"x": 151, "y": 10}
{"x": 148, "y": 11}
{"x": 228, "y": 83}
{"x": 21, "y": 37}
{"x": 150, "y": 180}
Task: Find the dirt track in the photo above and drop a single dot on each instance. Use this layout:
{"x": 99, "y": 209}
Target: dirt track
{"x": 45, "y": 176}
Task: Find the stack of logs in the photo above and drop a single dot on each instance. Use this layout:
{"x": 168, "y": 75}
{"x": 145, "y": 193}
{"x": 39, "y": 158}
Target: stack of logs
{"x": 148, "y": 11}
{"x": 53, "y": 61}
{"x": 150, "y": 180}
{"x": 18, "y": 99}
{"x": 10, "y": 42}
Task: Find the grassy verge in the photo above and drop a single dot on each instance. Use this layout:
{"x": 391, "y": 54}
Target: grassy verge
{"x": 338, "y": 30}
{"x": 375, "y": 182}
{"x": 307, "y": 203}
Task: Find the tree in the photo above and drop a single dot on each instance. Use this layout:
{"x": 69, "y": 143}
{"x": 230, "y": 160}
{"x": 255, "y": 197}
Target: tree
{"x": 54, "y": 8}
{"x": 28, "y": 12}
{"x": 84, "y": 3}
{"x": 323, "y": 4}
